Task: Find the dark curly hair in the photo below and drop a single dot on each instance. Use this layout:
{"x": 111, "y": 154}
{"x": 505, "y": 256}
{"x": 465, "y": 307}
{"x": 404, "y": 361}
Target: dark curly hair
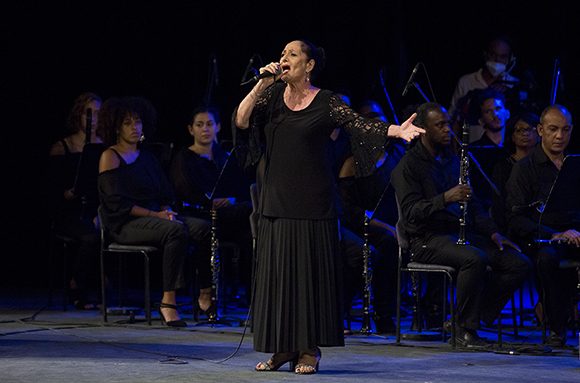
{"x": 114, "y": 110}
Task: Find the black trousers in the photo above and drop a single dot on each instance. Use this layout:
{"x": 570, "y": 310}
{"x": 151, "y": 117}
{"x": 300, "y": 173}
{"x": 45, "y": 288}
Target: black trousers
{"x": 176, "y": 239}
{"x": 479, "y": 296}
{"x": 557, "y": 284}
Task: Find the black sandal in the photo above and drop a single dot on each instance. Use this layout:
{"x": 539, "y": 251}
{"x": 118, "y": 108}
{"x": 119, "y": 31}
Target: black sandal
{"x": 172, "y": 323}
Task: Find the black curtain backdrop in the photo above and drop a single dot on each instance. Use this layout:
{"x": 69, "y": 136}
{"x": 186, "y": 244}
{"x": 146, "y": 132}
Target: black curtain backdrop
{"x": 53, "y": 51}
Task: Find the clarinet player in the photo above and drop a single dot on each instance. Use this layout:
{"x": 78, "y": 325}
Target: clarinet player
{"x": 427, "y": 186}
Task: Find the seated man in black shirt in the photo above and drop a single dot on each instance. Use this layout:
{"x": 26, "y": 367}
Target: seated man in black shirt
{"x": 207, "y": 177}
{"x": 528, "y": 187}
{"x": 426, "y": 186}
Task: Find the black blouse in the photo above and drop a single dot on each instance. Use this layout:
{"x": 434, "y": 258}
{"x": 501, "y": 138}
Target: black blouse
{"x": 141, "y": 183}
{"x": 194, "y": 177}
{"x": 298, "y": 179}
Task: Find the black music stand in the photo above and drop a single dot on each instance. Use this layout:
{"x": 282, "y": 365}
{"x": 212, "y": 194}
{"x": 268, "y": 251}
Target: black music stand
{"x": 487, "y": 157}
{"x": 562, "y": 207}
{"x": 86, "y": 178}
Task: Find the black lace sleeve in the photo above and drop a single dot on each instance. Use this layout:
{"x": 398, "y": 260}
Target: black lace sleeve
{"x": 367, "y": 136}
{"x": 249, "y": 142}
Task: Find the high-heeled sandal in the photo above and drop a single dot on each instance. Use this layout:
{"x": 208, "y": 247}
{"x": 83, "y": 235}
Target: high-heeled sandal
{"x": 205, "y": 293}
{"x": 278, "y": 360}
{"x": 308, "y": 362}
{"x": 171, "y": 323}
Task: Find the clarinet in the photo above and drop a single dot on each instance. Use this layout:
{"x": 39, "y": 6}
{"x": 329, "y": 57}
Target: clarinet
{"x": 215, "y": 267}
{"x": 367, "y": 278}
{"x": 463, "y": 180}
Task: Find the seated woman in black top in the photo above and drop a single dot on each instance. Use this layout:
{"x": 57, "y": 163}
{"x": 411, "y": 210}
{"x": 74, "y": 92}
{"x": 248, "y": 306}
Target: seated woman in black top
{"x": 72, "y": 209}
{"x": 136, "y": 196}
{"x": 207, "y": 177}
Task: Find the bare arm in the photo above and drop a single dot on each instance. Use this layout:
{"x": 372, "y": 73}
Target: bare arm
{"x": 246, "y": 107}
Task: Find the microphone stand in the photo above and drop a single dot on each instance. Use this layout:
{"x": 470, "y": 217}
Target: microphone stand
{"x": 211, "y": 79}
{"x": 555, "y": 79}
{"x": 418, "y": 87}
{"x": 395, "y": 118}
{"x": 88, "y": 128}
{"x": 213, "y": 315}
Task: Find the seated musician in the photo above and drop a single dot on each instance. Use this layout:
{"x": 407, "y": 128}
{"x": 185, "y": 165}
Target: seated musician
{"x": 426, "y": 186}
{"x": 206, "y": 177}
{"x": 365, "y": 194}
{"x": 529, "y": 185}
{"x": 488, "y": 108}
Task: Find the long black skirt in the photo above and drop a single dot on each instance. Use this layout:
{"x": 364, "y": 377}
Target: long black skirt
{"x": 298, "y": 298}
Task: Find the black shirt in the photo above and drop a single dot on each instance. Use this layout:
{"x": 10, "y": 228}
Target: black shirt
{"x": 530, "y": 181}
{"x": 420, "y": 182}
{"x": 194, "y": 177}
{"x": 298, "y": 180}
{"x": 375, "y": 191}
{"x": 142, "y": 183}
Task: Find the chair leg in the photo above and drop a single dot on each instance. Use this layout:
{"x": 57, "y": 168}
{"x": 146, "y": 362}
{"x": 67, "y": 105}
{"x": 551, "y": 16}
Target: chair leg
{"x": 514, "y": 316}
{"x": 147, "y": 290}
{"x": 499, "y": 331}
{"x": 452, "y": 312}
{"x": 398, "y": 341}
{"x": 444, "y": 308}
{"x": 103, "y": 289}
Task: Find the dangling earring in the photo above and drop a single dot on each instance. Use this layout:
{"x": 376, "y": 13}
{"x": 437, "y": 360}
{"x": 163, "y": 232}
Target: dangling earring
{"x": 142, "y": 138}
{"x": 307, "y": 77}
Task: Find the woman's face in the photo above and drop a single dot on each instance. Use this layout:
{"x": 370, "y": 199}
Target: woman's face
{"x": 524, "y": 136}
{"x": 131, "y": 129}
{"x": 294, "y": 63}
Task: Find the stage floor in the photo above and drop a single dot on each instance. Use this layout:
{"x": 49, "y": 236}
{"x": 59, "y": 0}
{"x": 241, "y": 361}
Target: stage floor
{"x": 47, "y": 344}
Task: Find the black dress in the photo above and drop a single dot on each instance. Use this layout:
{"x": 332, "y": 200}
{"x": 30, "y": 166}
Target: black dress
{"x": 297, "y": 303}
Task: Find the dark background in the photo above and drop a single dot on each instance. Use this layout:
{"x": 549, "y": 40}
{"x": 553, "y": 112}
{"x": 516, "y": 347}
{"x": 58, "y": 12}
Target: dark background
{"x": 53, "y": 52}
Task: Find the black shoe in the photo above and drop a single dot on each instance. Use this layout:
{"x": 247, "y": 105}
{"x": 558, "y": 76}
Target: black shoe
{"x": 468, "y": 338}
{"x": 434, "y": 321}
{"x": 555, "y": 340}
{"x": 172, "y": 323}
{"x": 384, "y": 324}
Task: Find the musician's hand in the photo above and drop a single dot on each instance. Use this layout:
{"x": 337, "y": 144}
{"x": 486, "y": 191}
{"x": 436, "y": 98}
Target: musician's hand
{"x": 407, "y": 131}
{"x": 167, "y": 214}
{"x": 385, "y": 226}
{"x": 69, "y": 194}
{"x": 571, "y": 236}
{"x": 223, "y": 202}
{"x": 500, "y": 241}
{"x": 458, "y": 193}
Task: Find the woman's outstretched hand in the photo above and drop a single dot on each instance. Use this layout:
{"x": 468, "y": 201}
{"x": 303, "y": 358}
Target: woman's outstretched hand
{"x": 407, "y": 131}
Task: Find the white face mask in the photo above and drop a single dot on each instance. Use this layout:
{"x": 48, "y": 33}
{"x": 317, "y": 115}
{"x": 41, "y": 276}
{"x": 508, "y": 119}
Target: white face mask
{"x": 495, "y": 68}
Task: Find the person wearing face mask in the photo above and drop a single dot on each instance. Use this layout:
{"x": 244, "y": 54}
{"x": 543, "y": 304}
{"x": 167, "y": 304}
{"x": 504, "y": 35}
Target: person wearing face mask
{"x": 494, "y": 73}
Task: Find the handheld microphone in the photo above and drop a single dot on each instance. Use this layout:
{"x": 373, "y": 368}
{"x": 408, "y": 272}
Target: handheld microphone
{"x": 260, "y": 76}
{"x": 411, "y": 80}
